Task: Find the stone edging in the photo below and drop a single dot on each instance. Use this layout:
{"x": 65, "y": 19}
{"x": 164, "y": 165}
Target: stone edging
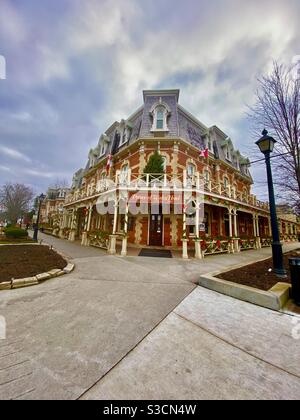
{"x": 30, "y": 281}
{"x": 39, "y": 278}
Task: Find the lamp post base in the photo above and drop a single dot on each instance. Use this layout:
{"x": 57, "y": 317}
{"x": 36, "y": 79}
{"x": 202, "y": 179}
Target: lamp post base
{"x": 279, "y": 269}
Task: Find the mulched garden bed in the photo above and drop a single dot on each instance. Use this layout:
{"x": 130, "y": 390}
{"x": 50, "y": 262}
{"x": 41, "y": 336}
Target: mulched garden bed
{"x": 26, "y": 261}
{"x": 258, "y": 275}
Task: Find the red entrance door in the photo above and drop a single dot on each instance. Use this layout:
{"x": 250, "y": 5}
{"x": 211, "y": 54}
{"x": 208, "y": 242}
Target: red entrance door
{"x": 156, "y": 230}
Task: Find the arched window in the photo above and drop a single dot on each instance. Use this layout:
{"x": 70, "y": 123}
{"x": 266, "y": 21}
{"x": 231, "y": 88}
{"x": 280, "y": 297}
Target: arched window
{"x": 160, "y": 112}
{"x": 191, "y": 170}
{"x": 160, "y": 119}
{"x": 206, "y": 179}
{"x": 164, "y": 163}
{"x": 124, "y": 174}
{"x": 226, "y": 185}
{"x": 233, "y": 191}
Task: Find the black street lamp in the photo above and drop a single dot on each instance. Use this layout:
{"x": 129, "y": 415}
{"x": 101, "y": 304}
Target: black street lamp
{"x": 266, "y": 146}
{"x": 36, "y": 226}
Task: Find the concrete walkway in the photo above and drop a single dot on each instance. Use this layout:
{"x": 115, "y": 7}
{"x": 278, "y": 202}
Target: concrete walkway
{"x": 131, "y": 328}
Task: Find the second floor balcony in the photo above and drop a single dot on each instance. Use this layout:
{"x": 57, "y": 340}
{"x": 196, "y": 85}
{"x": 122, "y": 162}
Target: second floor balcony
{"x": 172, "y": 182}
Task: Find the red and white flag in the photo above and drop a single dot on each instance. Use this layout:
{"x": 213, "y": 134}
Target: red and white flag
{"x": 108, "y": 163}
{"x": 204, "y": 153}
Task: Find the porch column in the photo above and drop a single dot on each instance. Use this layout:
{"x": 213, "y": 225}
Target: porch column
{"x": 63, "y": 225}
{"x": 73, "y": 226}
{"x": 124, "y": 240}
{"x": 218, "y": 179}
{"x": 184, "y": 235}
{"x": 113, "y": 238}
{"x": 235, "y": 223}
{"x": 257, "y": 237}
{"x": 198, "y": 254}
{"x": 87, "y": 226}
{"x": 84, "y": 233}
{"x": 257, "y": 226}
{"x": 254, "y": 225}
{"x": 236, "y": 246}
{"x": 230, "y": 222}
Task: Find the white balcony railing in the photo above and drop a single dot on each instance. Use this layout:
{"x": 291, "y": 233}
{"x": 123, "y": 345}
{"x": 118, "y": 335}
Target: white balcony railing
{"x": 176, "y": 181}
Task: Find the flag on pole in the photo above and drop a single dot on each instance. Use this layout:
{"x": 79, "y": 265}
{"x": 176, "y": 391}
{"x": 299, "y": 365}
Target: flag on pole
{"x": 108, "y": 163}
{"x": 204, "y": 153}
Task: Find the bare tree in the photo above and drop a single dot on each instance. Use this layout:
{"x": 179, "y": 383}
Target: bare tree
{"x": 60, "y": 183}
{"x": 15, "y": 200}
{"x": 277, "y": 109}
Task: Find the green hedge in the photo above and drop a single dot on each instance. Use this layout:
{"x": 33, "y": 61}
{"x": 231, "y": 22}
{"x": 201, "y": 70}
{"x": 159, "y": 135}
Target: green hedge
{"x": 14, "y": 232}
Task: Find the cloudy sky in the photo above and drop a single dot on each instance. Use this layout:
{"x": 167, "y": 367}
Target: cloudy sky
{"x": 73, "y": 67}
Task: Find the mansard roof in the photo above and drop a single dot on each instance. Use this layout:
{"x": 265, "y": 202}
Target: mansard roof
{"x": 181, "y": 124}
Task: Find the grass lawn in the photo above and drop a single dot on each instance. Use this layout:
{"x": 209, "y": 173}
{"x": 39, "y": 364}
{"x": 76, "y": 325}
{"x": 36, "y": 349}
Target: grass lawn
{"x": 27, "y": 260}
{"x": 258, "y": 274}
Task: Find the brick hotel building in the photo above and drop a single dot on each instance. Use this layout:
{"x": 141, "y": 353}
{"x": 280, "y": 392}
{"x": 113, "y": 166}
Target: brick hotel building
{"x": 232, "y": 219}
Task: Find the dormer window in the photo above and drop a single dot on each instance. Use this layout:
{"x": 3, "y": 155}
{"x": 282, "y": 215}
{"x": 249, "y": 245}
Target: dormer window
{"x": 160, "y": 114}
{"x": 92, "y": 161}
{"x": 209, "y": 143}
{"x": 103, "y": 149}
{"x": 228, "y": 154}
{"x": 123, "y": 137}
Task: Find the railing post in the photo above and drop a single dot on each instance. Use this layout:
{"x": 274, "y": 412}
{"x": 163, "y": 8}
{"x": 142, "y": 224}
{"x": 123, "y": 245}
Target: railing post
{"x": 124, "y": 240}
{"x": 129, "y": 177}
{"x": 198, "y": 181}
{"x": 184, "y": 178}
{"x": 165, "y": 180}
{"x": 117, "y": 177}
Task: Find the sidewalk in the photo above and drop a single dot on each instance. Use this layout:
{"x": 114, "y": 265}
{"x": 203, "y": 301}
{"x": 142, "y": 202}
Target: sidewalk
{"x": 210, "y": 347}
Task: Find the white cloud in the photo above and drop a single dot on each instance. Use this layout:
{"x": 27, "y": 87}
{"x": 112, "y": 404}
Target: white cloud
{"x": 5, "y": 168}
{"x": 14, "y": 154}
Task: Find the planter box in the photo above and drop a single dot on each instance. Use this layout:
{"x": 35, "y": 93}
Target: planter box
{"x": 274, "y": 299}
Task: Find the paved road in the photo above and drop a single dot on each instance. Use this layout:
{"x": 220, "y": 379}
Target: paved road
{"x": 113, "y": 328}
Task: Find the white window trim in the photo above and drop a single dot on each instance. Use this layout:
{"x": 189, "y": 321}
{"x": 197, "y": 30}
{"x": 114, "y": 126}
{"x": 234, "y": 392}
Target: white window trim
{"x": 228, "y": 154}
{"x": 124, "y": 173}
{"x": 160, "y": 106}
{"x": 124, "y": 136}
{"x": 191, "y": 164}
{"x": 103, "y": 149}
